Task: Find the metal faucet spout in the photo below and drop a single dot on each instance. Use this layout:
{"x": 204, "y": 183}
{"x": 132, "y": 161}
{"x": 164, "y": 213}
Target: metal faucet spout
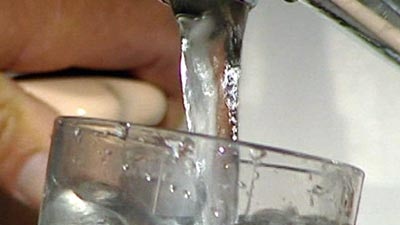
{"x": 197, "y": 7}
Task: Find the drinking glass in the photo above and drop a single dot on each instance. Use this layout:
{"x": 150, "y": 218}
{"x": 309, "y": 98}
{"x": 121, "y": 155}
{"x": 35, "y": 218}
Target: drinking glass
{"x": 110, "y": 172}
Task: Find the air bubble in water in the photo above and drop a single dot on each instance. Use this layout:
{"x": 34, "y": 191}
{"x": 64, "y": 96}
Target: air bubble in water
{"x": 172, "y": 188}
{"x": 187, "y": 194}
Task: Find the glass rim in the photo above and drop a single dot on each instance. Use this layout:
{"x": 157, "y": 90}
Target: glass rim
{"x": 77, "y": 121}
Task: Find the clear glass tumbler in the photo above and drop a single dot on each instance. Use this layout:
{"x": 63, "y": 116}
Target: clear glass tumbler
{"x": 111, "y": 173}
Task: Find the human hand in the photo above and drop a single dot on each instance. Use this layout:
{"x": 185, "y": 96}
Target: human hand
{"x": 43, "y": 35}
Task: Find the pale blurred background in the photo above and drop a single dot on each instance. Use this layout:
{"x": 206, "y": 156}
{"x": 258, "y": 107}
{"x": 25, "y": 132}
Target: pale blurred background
{"x": 311, "y": 86}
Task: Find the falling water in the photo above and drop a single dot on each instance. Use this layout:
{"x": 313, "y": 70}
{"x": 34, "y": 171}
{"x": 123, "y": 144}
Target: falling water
{"x": 211, "y": 37}
{"x": 211, "y": 42}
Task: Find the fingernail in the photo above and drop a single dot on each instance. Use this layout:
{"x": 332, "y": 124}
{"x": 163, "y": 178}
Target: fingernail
{"x": 30, "y": 182}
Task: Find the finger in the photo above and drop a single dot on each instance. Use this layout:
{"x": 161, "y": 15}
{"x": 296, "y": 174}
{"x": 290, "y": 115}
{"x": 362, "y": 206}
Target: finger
{"x": 25, "y": 127}
{"x": 101, "y": 97}
{"x": 140, "y": 35}
{"x": 26, "y": 122}
{"x": 97, "y": 34}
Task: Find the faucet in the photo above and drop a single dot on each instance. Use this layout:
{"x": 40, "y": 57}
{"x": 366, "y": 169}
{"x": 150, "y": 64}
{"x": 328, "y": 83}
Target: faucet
{"x": 375, "y": 21}
{"x": 197, "y": 7}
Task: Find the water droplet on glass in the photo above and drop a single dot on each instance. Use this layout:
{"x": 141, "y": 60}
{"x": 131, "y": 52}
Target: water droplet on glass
{"x": 257, "y": 154}
{"x": 200, "y": 166}
{"x": 190, "y": 167}
{"x": 122, "y": 130}
{"x": 227, "y": 166}
{"x": 172, "y": 188}
{"x": 78, "y": 134}
{"x": 216, "y": 213}
{"x": 187, "y": 194}
{"x": 148, "y": 177}
{"x": 218, "y": 210}
{"x": 179, "y": 148}
{"x": 125, "y": 167}
{"x": 221, "y": 150}
{"x": 242, "y": 185}
{"x": 77, "y": 131}
{"x": 318, "y": 190}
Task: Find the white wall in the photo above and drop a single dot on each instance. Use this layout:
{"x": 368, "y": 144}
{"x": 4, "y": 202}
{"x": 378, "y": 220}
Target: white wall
{"x": 309, "y": 85}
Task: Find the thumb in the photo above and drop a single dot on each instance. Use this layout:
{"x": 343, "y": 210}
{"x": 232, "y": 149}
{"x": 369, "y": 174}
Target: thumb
{"x": 25, "y": 129}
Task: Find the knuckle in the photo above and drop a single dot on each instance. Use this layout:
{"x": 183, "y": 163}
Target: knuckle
{"x": 7, "y": 131}
{"x": 8, "y": 117}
